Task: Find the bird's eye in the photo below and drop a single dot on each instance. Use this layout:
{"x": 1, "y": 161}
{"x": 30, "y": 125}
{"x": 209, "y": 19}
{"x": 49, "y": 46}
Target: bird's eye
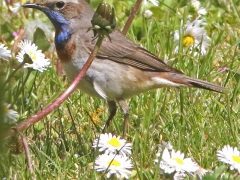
{"x": 60, "y": 4}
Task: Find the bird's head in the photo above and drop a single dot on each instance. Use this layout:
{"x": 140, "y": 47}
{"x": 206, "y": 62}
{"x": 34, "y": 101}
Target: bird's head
{"x": 62, "y": 12}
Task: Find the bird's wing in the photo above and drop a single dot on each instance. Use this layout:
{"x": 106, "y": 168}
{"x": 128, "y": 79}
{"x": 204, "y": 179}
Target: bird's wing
{"x": 122, "y": 50}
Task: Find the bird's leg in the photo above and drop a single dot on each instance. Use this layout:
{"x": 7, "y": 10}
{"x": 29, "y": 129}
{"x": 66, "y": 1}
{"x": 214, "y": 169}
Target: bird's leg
{"x": 125, "y": 109}
{"x": 112, "y": 109}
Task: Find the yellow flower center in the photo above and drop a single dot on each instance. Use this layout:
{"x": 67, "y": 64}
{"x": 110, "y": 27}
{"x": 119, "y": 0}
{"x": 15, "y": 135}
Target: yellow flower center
{"x": 236, "y": 159}
{"x": 188, "y": 40}
{"x": 114, "y": 142}
{"x": 32, "y": 55}
{"x": 178, "y": 160}
{"x": 114, "y": 163}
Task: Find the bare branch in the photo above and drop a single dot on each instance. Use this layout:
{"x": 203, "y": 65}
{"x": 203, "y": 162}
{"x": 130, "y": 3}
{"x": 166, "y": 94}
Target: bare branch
{"x": 131, "y": 17}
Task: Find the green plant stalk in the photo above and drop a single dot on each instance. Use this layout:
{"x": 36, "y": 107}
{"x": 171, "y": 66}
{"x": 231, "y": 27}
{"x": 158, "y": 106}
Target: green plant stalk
{"x": 235, "y": 10}
{"x": 11, "y": 75}
{"x": 21, "y": 90}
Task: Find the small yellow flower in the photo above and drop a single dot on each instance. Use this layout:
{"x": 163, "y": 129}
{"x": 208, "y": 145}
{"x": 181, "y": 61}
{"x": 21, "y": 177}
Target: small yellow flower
{"x": 100, "y": 110}
{"x": 95, "y": 116}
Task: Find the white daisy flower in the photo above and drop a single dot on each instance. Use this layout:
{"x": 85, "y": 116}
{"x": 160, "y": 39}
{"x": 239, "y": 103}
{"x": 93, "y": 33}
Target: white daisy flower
{"x": 4, "y": 52}
{"x": 175, "y": 162}
{"x": 198, "y": 7}
{"x": 194, "y": 36}
{"x": 179, "y": 176}
{"x": 17, "y": 6}
{"x": 167, "y": 60}
{"x": 39, "y": 62}
{"x": 230, "y": 156}
{"x": 162, "y": 146}
{"x": 147, "y": 14}
{"x": 114, "y": 164}
{"x": 10, "y": 116}
{"x": 167, "y": 145}
{"x": 112, "y": 144}
{"x": 4, "y": 4}
{"x": 154, "y": 2}
{"x": 201, "y": 172}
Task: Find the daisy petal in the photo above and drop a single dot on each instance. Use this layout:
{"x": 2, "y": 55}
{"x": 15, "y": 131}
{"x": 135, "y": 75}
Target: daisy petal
{"x": 39, "y": 62}
{"x": 112, "y": 144}
{"x": 114, "y": 164}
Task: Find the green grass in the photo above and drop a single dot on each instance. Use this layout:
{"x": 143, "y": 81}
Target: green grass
{"x": 196, "y": 122}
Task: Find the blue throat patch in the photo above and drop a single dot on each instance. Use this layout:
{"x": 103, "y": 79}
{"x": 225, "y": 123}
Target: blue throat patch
{"x": 62, "y": 28}
{"x": 61, "y": 38}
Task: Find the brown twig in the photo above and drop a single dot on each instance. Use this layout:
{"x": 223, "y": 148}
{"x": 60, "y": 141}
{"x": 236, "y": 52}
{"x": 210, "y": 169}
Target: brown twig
{"x": 25, "y": 145}
{"x": 131, "y": 17}
{"x": 27, "y": 123}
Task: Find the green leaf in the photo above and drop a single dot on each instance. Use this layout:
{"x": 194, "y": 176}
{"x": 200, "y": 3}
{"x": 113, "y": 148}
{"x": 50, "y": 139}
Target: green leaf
{"x": 158, "y": 12}
{"x": 40, "y": 39}
{"x": 220, "y": 170}
{"x": 237, "y": 76}
{"x": 209, "y": 177}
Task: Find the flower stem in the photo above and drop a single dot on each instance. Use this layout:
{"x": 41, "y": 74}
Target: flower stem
{"x": 11, "y": 75}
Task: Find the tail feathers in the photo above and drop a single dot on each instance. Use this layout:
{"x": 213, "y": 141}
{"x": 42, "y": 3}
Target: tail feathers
{"x": 182, "y": 80}
{"x": 197, "y": 83}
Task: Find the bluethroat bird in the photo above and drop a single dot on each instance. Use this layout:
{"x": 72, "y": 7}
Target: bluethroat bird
{"x": 121, "y": 68}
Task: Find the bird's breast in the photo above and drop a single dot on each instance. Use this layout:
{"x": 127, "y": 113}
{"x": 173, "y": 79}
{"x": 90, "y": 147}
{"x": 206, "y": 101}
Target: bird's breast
{"x": 66, "y": 53}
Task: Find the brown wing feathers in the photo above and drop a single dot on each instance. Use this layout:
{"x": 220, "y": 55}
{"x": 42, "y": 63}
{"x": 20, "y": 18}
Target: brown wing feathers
{"x": 131, "y": 54}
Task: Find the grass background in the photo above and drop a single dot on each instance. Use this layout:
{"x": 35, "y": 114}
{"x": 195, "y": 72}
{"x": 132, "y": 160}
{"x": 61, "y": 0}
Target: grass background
{"x": 196, "y": 122}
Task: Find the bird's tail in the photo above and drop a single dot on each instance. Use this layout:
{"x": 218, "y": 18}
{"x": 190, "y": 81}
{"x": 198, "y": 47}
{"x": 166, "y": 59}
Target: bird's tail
{"x": 182, "y": 80}
{"x": 197, "y": 83}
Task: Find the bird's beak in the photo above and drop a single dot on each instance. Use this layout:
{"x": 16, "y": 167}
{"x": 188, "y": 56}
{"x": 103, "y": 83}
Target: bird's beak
{"x": 35, "y": 6}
